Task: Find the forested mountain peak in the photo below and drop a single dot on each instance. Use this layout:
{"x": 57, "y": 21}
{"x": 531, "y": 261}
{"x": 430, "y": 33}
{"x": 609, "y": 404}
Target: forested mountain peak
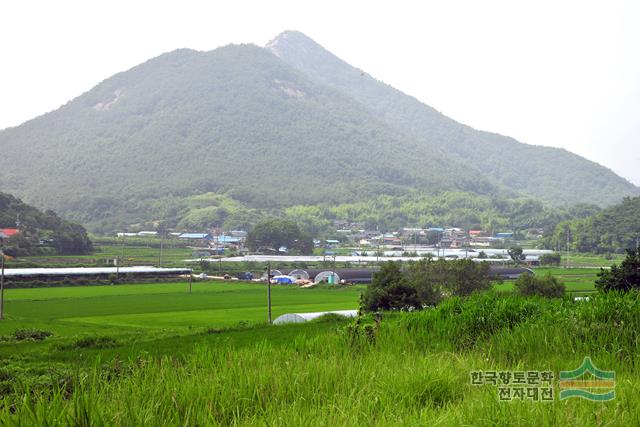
{"x": 236, "y": 120}
{"x": 270, "y": 129}
{"x": 551, "y": 174}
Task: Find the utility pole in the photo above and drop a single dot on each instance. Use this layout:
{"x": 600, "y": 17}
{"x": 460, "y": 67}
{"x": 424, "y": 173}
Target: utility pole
{"x": 161, "y": 248}
{"x": 2, "y": 286}
{"x": 123, "y": 237}
{"x": 117, "y": 265}
{"x": 269, "y": 290}
{"x": 567, "y": 261}
{"x": 119, "y": 260}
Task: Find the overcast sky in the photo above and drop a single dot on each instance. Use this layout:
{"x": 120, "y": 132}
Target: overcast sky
{"x": 558, "y": 73}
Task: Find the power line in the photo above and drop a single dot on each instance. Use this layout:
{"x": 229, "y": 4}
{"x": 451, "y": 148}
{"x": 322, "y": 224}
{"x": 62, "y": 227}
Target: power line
{"x": 2, "y": 285}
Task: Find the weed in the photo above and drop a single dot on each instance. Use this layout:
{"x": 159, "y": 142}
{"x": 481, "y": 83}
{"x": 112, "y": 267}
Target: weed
{"x": 31, "y": 334}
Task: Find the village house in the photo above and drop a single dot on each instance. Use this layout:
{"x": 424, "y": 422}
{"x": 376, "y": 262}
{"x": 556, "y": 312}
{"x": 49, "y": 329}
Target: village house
{"x": 6, "y": 233}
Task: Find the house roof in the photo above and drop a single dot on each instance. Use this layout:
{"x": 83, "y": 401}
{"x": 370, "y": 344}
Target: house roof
{"x": 505, "y": 234}
{"x": 227, "y": 239}
{"x": 8, "y": 232}
{"x": 195, "y": 236}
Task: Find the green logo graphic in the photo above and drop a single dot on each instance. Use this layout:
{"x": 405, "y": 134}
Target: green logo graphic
{"x": 588, "y": 382}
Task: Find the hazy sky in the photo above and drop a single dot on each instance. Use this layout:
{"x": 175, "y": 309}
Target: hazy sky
{"x": 558, "y": 73}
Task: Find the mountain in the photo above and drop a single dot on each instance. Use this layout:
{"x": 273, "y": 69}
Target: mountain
{"x": 236, "y": 120}
{"x": 611, "y": 230}
{"x": 39, "y": 232}
{"x": 551, "y": 174}
{"x": 192, "y": 137}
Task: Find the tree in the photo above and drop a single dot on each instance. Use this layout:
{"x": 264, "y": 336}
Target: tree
{"x": 389, "y": 290}
{"x": 551, "y": 259}
{"x": 275, "y": 233}
{"x": 465, "y": 276}
{"x": 516, "y": 254}
{"x": 433, "y": 237}
{"x": 547, "y": 286}
{"x": 428, "y": 285}
{"x": 22, "y": 244}
{"x": 626, "y": 277}
{"x": 71, "y": 239}
{"x": 424, "y": 283}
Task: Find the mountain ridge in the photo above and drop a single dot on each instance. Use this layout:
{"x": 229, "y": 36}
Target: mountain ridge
{"x": 177, "y": 124}
{"x": 481, "y": 148}
{"x": 240, "y": 121}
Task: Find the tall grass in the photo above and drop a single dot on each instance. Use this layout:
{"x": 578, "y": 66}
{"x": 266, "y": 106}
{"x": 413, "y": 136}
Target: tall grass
{"x": 414, "y": 372}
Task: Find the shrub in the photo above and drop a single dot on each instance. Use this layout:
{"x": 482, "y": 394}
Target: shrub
{"x": 464, "y": 321}
{"x": 95, "y": 342}
{"x": 31, "y": 334}
{"x": 551, "y": 259}
{"x": 547, "y": 286}
{"x": 330, "y": 318}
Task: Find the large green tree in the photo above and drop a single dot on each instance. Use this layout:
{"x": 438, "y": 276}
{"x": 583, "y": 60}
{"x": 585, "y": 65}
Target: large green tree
{"x": 625, "y": 277}
{"x": 424, "y": 283}
{"x": 275, "y": 233}
{"x": 390, "y": 290}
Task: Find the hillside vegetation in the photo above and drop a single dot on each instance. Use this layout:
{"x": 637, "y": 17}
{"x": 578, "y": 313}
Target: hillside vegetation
{"x": 266, "y": 131}
{"x": 40, "y": 232}
{"x": 551, "y": 174}
{"x": 611, "y": 230}
{"x": 236, "y": 120}
{"x": 384, "y": 212}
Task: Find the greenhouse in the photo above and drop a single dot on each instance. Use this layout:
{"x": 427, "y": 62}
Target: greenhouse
{"x": 305, "y": 317}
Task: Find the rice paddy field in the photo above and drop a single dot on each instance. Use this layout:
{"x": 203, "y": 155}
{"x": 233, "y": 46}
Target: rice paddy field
{"x": 157, "y": 354}
{"x": 578, "y": 281}
{"x": 161, "y": 307}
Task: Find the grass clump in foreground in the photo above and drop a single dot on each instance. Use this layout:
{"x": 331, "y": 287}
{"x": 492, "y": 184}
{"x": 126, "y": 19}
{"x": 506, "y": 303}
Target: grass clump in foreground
{"x": 31, "y": 334}
{"x": 412, "y": 369}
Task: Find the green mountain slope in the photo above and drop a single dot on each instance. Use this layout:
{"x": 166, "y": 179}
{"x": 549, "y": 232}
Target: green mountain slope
{"x": 551, "y": 174}
{"x": 236, "y": 120}
{"x": 36, "y": 227}
{"x": 611, "y": 230}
